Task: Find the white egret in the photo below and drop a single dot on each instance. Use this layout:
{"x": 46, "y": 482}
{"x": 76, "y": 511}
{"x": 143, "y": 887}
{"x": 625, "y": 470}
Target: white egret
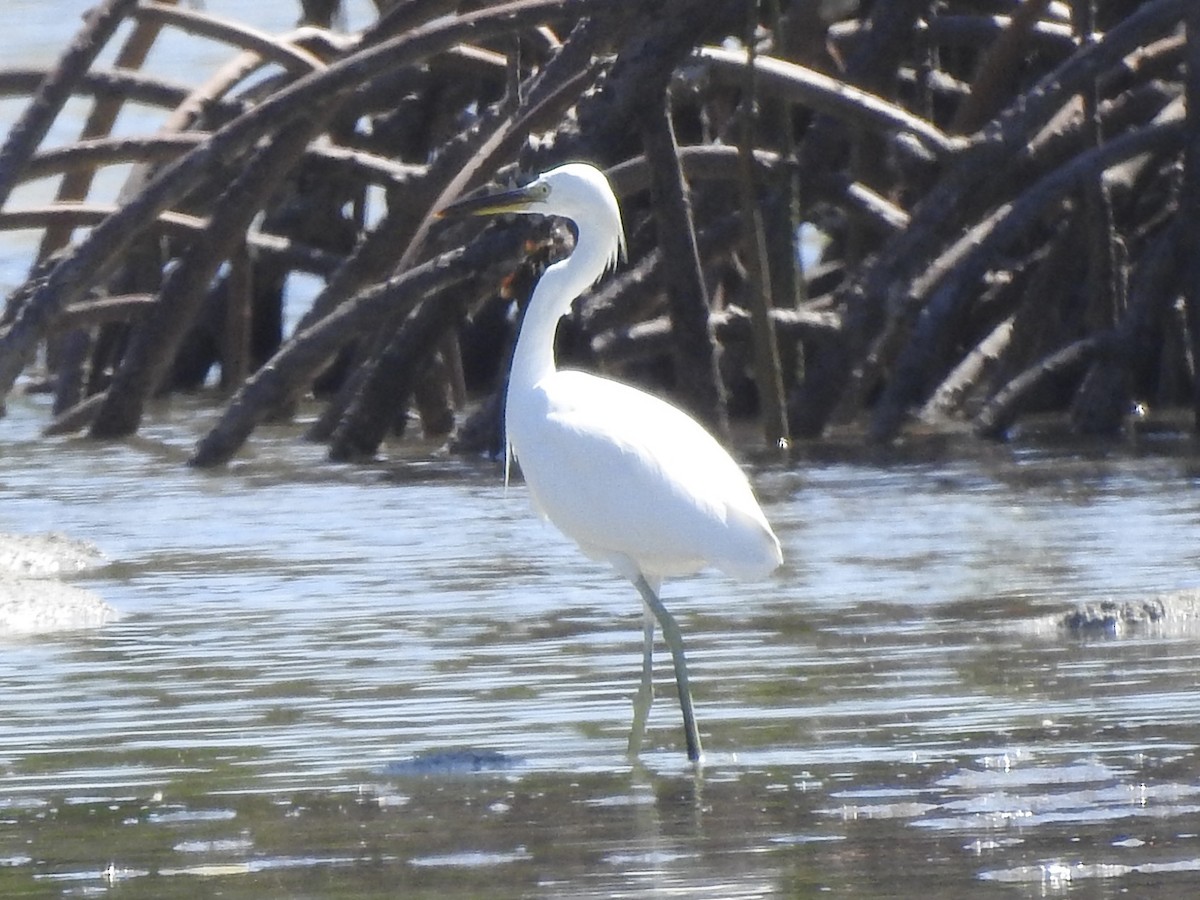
{"x": 633, "y": 480}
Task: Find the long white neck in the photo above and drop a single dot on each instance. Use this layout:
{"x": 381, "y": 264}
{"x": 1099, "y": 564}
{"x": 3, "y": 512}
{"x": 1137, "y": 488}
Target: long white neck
{"x": 562, "y": 282}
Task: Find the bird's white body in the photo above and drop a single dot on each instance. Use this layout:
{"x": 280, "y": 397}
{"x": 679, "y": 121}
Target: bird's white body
{"x": 632, "y": 479}
{"x": 635, "y": 480}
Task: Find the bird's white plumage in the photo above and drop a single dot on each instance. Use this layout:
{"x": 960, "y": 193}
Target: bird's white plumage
{"x": 632, "y": 479}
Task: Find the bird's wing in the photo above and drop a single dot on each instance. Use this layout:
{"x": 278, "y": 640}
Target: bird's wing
{"x": 624, "y": 473}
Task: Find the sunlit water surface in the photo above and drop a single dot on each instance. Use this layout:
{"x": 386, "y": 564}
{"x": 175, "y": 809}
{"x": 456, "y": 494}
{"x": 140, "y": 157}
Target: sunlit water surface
{"x": 395, "y": 681}
{"x": 890, "y": 714}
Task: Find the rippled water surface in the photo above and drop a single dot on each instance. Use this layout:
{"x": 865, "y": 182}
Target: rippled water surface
{"x": 394, "y": 681}
{"x": 350, "y": 682}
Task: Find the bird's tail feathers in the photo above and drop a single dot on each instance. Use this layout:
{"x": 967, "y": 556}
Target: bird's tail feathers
{"x": 756, "y": 552}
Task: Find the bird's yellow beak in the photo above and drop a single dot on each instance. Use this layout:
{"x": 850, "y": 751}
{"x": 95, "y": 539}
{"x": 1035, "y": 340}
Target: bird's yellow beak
{"x": 518, "y": 200}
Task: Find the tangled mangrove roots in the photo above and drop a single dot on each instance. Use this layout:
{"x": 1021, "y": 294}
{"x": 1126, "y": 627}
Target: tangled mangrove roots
{"x": 839, "y": 211}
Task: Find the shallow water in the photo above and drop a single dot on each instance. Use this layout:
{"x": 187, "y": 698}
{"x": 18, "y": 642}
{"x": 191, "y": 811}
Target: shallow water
{"x": 338, "y": 681}
{"x": 880, "y": 718}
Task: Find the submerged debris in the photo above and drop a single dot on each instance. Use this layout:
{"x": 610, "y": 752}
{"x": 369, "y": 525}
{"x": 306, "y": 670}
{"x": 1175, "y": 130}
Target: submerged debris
{"x": 453, "y": 762}
{"x": 1175, "y": 612}
{"x": 1110, "y": 617}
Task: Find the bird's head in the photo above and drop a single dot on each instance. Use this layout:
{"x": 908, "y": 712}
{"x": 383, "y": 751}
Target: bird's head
{"x": 576, "y": 191}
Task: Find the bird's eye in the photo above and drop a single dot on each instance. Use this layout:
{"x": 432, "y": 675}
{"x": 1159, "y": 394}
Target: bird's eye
{"x": 540, "y": 190}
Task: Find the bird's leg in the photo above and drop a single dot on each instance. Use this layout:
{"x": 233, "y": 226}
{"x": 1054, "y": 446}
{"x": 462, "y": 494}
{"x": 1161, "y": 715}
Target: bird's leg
{"x": 674, "y": 641}
{"x": 645, "y": 694}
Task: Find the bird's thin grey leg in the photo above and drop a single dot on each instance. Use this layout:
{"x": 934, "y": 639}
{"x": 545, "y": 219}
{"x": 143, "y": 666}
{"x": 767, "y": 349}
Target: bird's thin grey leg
{"x": 645, "y": 694}
{"x": 674, "y": 641}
